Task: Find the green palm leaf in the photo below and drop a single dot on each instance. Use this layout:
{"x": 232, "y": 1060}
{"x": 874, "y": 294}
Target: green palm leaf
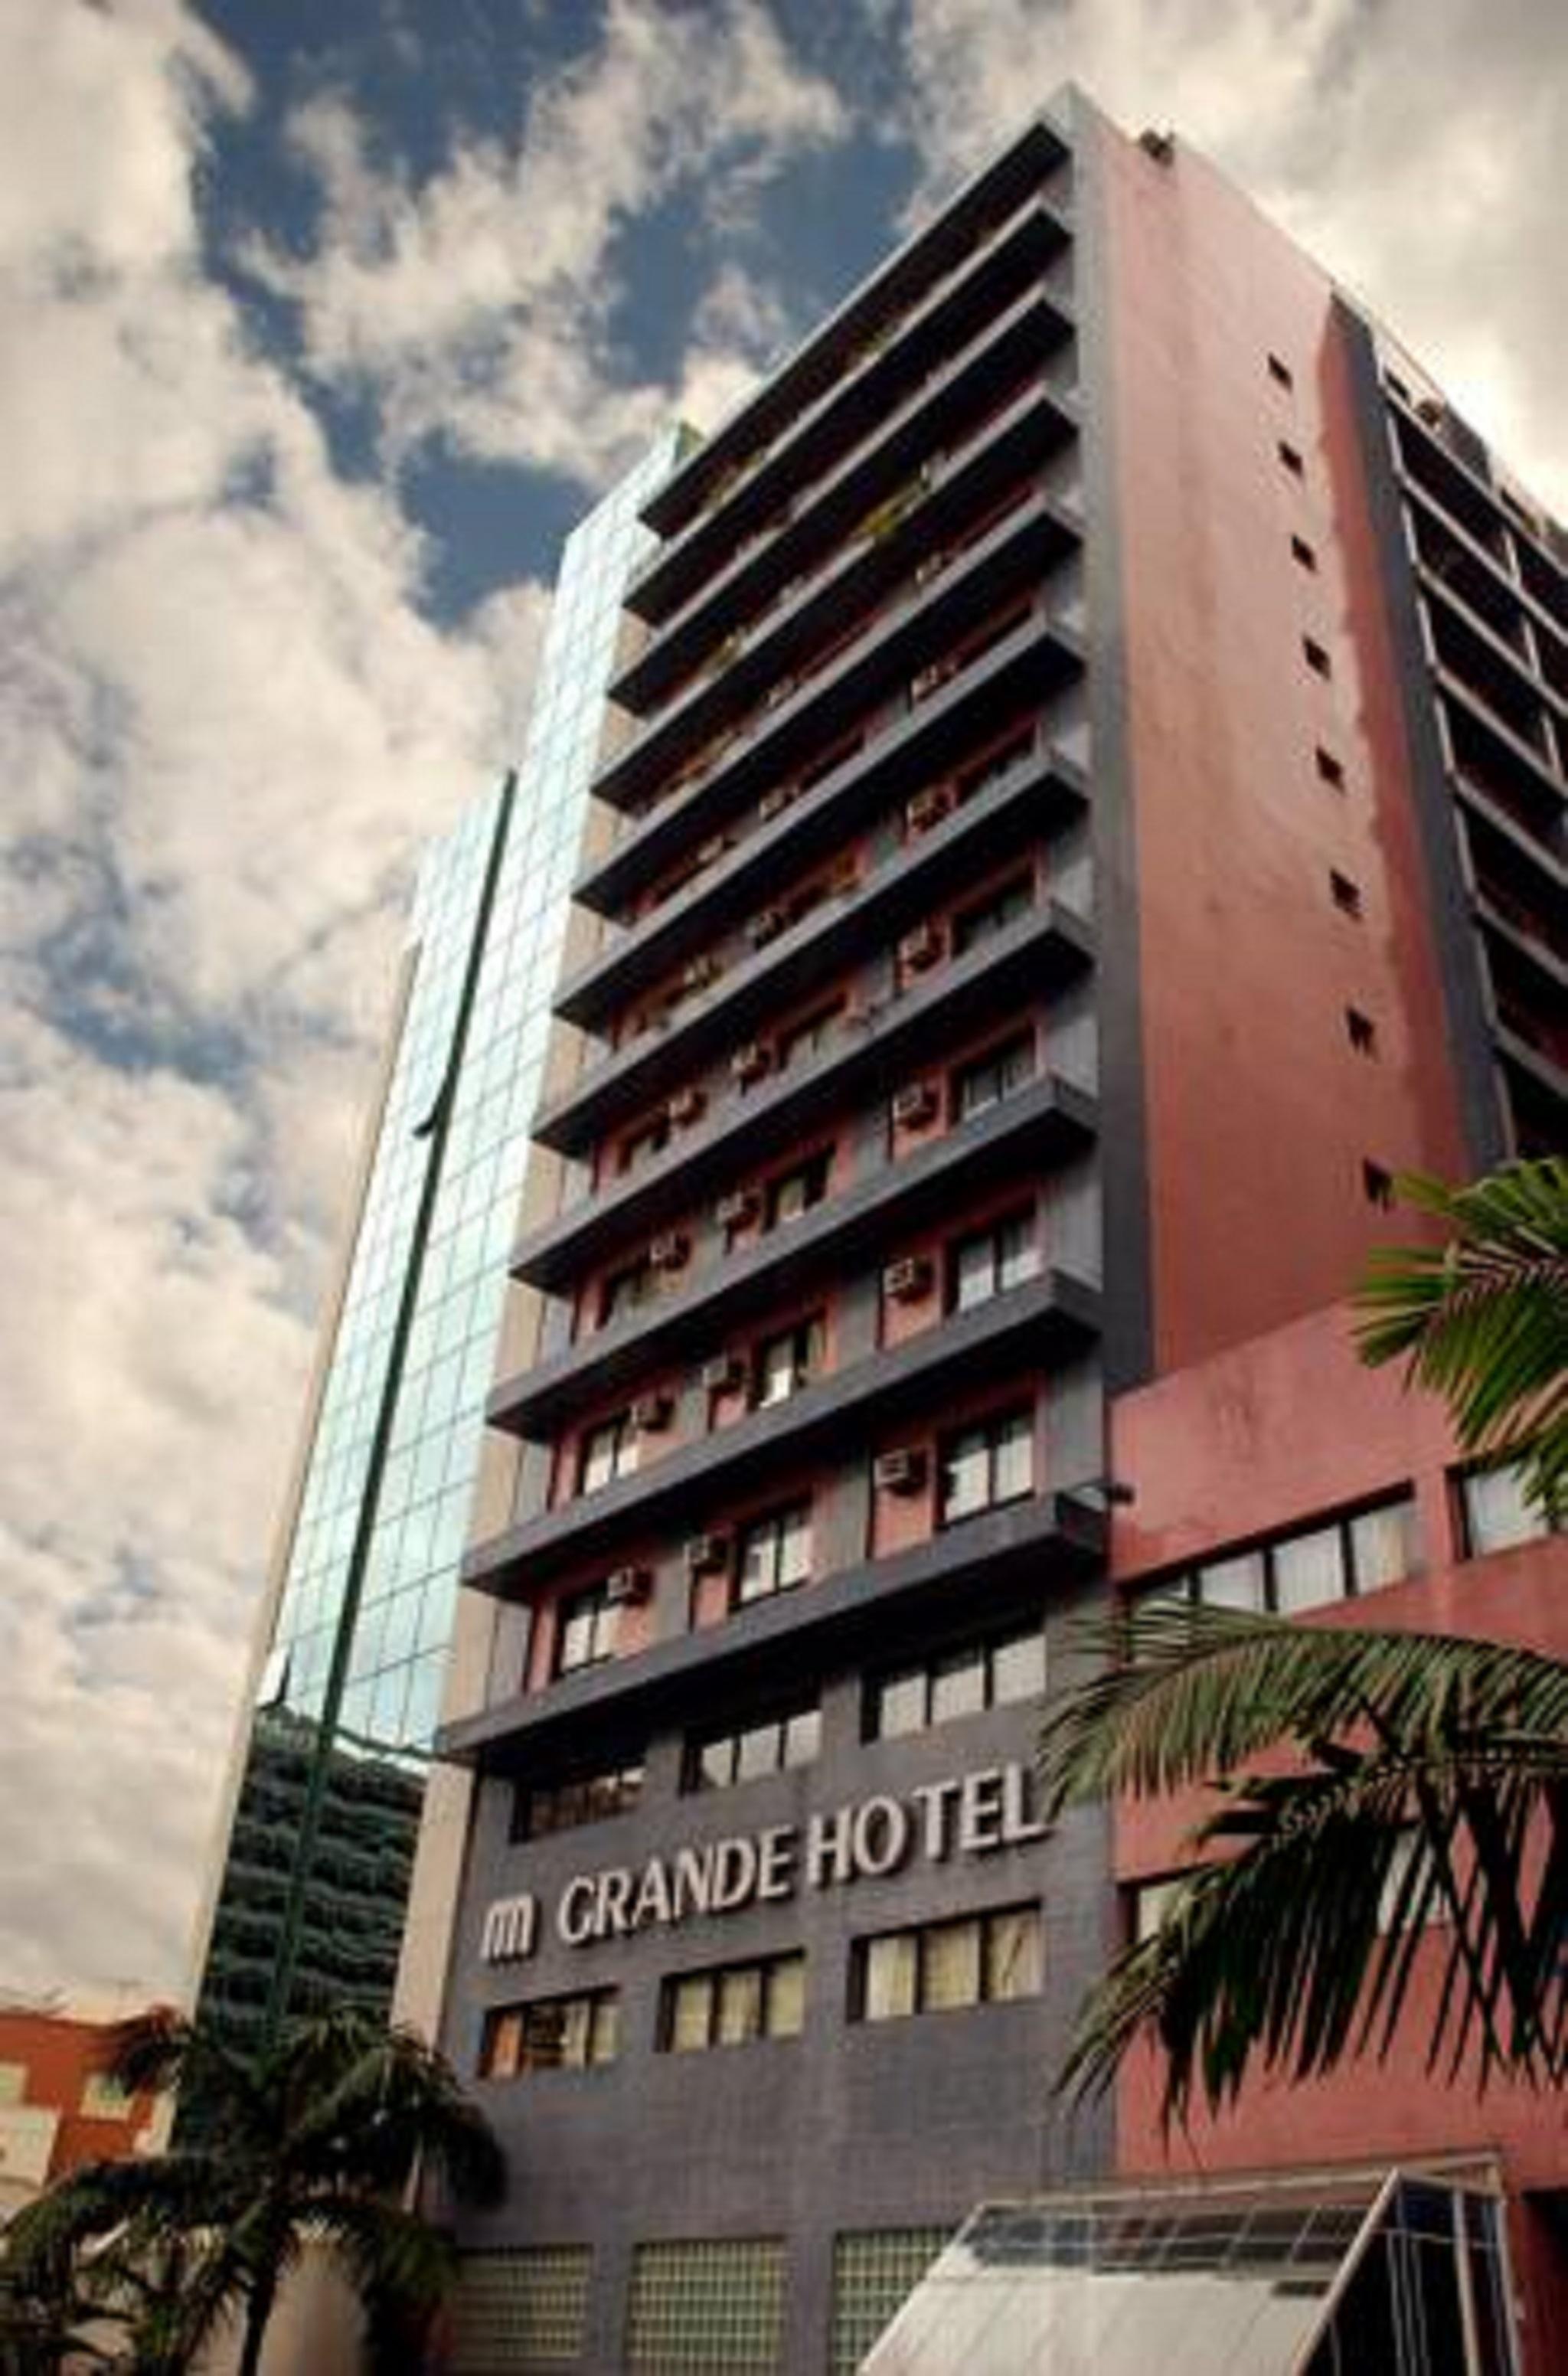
{"x": 1482, "y": 1319}
{"x": 1428, "y": 1764}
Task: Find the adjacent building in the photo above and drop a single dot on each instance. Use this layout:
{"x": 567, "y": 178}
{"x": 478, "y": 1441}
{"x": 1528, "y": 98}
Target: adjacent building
{"x": 60, "y": 2106}
{"x": 1080, "y": 810}
{"x": 306, "y": 1908}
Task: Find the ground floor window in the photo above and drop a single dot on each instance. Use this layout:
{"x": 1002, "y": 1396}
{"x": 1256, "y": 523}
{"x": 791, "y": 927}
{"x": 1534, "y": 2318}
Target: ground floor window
{"x": 552, "y": 2034}
{"x": 874, "y": 2275}
{"x": 712, "y": 2304}
{"x": 520, "y": 2310}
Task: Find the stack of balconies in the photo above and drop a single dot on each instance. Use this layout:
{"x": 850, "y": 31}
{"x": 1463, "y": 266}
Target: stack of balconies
{"x": 1494, "y": 606}
{"x": 843, "y": 1026}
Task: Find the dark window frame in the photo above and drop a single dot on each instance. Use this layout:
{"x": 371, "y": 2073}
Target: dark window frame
{"x": 1009, "y": 1063}
{"x": 1183, "y": 1583}
{"x": 987, "y": 1923}
{"x": 603, "y": 2008}
{"x": 1023, "y": 1219}
{"x": 771, "y": 1526}
{"x": 698, "y": 1781}
{"x": 996, "y": 1429}
{"x": 765, "y": 1970}
{"x": 572, "y": 1800}
{"x": 602, "y": 1612}
{"x": 928, "y": 1673}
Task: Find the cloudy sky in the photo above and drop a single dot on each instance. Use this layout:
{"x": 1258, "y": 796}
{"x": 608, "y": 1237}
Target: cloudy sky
{"x": 319, "y": 322}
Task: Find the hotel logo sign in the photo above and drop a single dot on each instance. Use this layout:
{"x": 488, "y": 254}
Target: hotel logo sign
{"x": 962, "y": 1814}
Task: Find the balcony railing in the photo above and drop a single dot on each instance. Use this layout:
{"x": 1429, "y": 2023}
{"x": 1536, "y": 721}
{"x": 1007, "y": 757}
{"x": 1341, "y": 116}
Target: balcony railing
{"x": 1044, "y": 1324}
{"x": 1045, "y": 1125}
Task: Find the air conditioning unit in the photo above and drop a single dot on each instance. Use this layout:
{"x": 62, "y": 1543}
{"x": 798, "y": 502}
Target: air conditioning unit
{"x": 723, "y": 1371}
{"x": 626, "y": 1588}
{"x": 701, "y": 973}
{"x": 766, "y": 925}
{"x": 707, "y": 1554}
{"x": 653, "y": 1410}
{"x": 684, "y": 1108}
{"x": 907, "y": 1280}
{"x": 774, "y": 802}
{"x": 740, "y": 1206}
{"x": 902, "y": 1471}
{"x": 710, "y": 852}
{"x": 916, "y": 1106}
{"x": 750, "y": 1061}
{"x": 928, "y": 808}
{"x": 670, "y": 1250}
{"x": 921, "y": 948}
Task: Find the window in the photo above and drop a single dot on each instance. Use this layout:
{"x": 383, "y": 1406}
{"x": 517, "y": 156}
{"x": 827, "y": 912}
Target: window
{"x": 874, "y": 2272}
{"x": 13, "y": 2082}
{"x": 639, "y": 1146}
{"x": 625, "y": 1289}
{"x": 943, "y": 1966}
{"x": 104, "y": 2098}
{"x": 1316, "y": 658}
{"x": 786, "y": 1362}
{"x": 1291, "y": 460}
{"x": 719, "y": 1761}
{"x": 552, "y": 2034}
{"x": 989, "y": 1079}
{"x": 1377, "y": 1186}
{"x": 713, "y": 2303}
{"x": 606, "y": 1452}
{"x": 798, "y": 1042}
{"x": 522, "y": 2308}
{"x": 775, "y": 1553}
{"x": 1347, "y": 895}
{"x": 587, "y": 1629}
{"x": 961, "y": 1683}
{"x": 1153, "y": 1902}
{"x": 987, "y": 1464}
{"x": 974, "y": 925}
{"x": 734, "y": 2004}
{"x": 793, "y": 1192}
{"x": 1361, "y": 1031}
{"x": 540, "y": 1808}
{"x": 1330, "y": 769}
{"x": 1495, "y": 1513}
{"x": 1312, "y": 1565}
{"x": 1301, "y": 553}
{"x": 993, "y": 1259}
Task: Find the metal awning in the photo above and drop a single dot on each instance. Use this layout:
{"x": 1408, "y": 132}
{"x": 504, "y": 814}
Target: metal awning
{"x": 1404, "y": 2272}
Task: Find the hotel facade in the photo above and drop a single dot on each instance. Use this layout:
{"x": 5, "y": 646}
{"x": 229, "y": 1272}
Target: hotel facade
{"x": 1080, "y": 808}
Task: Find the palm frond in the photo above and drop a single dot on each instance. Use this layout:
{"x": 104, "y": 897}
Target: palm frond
{"x": 1183, "y": 1692}
{"x": 1482, "y": 1319}
{"x": 398, "y": 2102}
{"x": 1301, "y": 1948}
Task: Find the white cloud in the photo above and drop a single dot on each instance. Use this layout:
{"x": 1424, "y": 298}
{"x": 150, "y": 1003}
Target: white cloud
{"x": 478, "y": 307}
{"x": 1414, "y": 148}
{"x": 225, "y": 727}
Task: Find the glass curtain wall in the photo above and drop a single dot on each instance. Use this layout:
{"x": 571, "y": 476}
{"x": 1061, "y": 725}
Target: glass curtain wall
{"x": 435, "y": 1380}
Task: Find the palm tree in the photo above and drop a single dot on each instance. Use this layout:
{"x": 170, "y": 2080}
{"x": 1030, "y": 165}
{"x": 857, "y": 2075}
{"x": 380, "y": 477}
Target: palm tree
{"x": 314, "y": 2139}
{"x": 1430, "y": 1785}
{"x": 1482, "y": 1319}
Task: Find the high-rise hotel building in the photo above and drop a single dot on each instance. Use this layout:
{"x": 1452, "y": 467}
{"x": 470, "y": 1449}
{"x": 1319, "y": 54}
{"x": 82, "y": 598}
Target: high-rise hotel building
{"x": 1081, "y": 810}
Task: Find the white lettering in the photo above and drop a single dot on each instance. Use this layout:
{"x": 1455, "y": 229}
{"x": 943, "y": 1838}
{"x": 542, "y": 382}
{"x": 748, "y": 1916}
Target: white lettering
{"x": 573, "y": 1915}
{"x": 980, "y": 1811}
{"x": 508, "y": 1932}
{"x": 693, "y": 1882}
{"x": 881, "y": 1837}
{"x": 613, "y": 1912}
{"x": 934, "y": 1798}
{"x": 652, "y": 1901}
{"x": 776, "y": 1870}
{"x": 734, "y": 1873}
{"x": 1017, "y": 1797}
{"x": 827, "y": 1848}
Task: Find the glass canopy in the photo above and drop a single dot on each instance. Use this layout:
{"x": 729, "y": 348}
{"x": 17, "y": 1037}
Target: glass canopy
{"x": 1404, "y": 2276}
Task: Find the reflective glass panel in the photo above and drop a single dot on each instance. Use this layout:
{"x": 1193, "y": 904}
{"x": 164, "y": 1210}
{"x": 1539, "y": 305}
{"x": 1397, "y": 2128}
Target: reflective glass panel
{"x": 1308, "y": 1570}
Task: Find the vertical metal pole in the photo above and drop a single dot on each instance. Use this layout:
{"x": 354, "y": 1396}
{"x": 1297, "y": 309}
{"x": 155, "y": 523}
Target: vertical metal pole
{"x": 435, "y": 1129}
